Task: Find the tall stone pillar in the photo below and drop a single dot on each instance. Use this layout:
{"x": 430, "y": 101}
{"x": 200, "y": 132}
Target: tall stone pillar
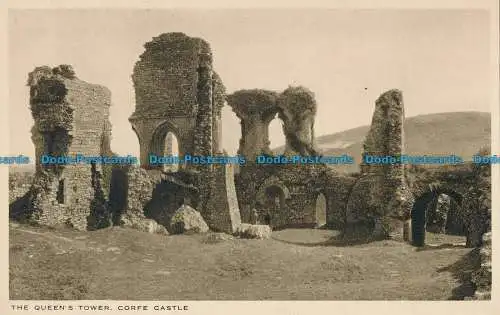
{"x": 381, "y": 201}
{"x": 256, "y": 109}
{"x": 297, "y": 110}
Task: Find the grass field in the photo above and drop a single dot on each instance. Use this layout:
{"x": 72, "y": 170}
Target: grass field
{"x": 124, "y": 264}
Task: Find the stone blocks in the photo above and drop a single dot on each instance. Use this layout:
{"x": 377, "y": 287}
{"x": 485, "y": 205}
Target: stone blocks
{"x": 71, "y": 117}
{"x": 188, "y": 220}
{"x": 253, "y": 231}
{"x": 381, "y": 197}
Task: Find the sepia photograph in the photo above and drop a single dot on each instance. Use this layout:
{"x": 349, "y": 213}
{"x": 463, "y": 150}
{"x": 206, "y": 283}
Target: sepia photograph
{"x": 254, "y": 154}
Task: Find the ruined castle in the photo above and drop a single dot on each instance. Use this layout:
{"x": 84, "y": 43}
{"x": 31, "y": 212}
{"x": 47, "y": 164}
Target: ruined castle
{"x": 179, "y": 92}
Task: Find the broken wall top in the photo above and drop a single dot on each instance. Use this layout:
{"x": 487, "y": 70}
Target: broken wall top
{"x": 166, "y": 75}
{"x": 59, "y": 100}
{"x": 255, "y": 101}
{"x": 386, "y": 134}
{"x": 297, "y": 100}
{"x": 219, "y": 93}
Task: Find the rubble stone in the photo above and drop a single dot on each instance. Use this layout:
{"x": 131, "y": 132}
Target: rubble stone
{"x": 188, "y": 220}
{"x": 256, "y": 231}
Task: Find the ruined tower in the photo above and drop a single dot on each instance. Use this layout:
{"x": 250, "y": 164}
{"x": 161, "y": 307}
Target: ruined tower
{"x": 381, "y": 200}
{"x": 177, "y": 91}
{"x": 71, "y": 117}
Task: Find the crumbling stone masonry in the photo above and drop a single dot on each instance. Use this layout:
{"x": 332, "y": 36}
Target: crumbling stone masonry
{"x": 437, "y": 213}
{"x": 284, "y": 195}
{"x": 130, "y": 192}
{"x": 19, "y": 185}
{"x": 256, "y": 109}
{"x": 178, "y": 91}
{"x": 297, "y": 111}
{"x": 468, "y": 186}
{"x": 71, "y": 117}
{"x": 481, "y": 278}
{"x": 381, "y": 201}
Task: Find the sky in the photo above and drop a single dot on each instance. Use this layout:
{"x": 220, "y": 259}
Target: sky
{"x": 438, "y": 58}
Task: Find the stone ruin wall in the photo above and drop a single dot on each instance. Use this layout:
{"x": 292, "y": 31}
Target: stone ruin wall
{"x": 71, "y": 117}
{"x": 176, "y": 84}
{"x": 132, "y": 188}
{"x": 437, "y": 214}
{"x": 482, "y": 276}
{"x": 222, "y": 212}
{"x": 381, "y": 200}
{"x": 304, "y": 184}
{"x": 195, "y": 100}
{"x": 19, "y": 185}
{"x": 301, "y": 184}
{"x": 178, "y": 91}
{"x": 469, "y": 186}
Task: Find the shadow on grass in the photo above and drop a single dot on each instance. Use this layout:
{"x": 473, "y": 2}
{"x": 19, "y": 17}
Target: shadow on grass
{"x": 462, "y": 272}
{"x": 338, "y": 241}
{"x": 440, "y": 246}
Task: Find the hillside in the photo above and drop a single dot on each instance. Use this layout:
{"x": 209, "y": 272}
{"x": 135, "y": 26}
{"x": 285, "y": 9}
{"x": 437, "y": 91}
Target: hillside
{"x": 460, "y": 133}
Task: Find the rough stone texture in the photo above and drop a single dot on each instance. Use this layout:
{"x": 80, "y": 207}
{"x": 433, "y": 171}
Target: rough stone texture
{"x": 148, "y": 226}
{"x": 284, "y": 195}
{"x": 477, "y": 204}
{"x": 188, "y": 220}
{"x": 296, "y": 107}
{"x": 222, "y": 212}
{"x": 254, "y": 231}
{"x": 297, "y": 110}
{"x": 138, "y": 188}
{"x": 381, "y": 200}
{"x": 177, "y": 91}
{"x": 71, "y": 117}
{"x": 469, "y": 187}
{"x": 287, "y": 195}
{"x": 256, "y": 109}
{"x": 437, "y": 213}
{"x": 482, "y": 277}
{"x": 147, "y": 199}
{"x": 19, "y": 185}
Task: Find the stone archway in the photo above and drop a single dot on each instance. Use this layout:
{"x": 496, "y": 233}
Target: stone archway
{"x": 163, "y": 139}
{"x": 271, "y": 197}
{"x": 274, "y": 132}
{"x": 420, "y": 208}
{"x": 320, "y": 210}
{"x": 274, "y": 204}
{"x": 171, "y": 151}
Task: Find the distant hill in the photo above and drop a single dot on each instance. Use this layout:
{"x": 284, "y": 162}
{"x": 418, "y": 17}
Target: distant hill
{"x": 460, "y": 133}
